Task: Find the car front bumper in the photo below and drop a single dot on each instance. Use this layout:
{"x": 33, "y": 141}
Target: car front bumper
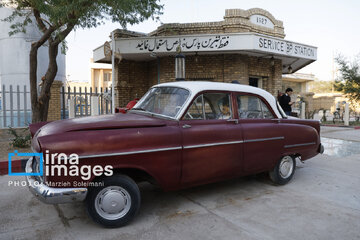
{"x": 48, "y": 194}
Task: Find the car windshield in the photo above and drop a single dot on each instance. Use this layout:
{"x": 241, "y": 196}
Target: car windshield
{"x": 166, "y": 101}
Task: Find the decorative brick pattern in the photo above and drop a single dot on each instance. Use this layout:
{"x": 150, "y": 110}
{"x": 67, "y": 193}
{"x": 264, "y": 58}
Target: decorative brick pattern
{"x": 235, "y": 20}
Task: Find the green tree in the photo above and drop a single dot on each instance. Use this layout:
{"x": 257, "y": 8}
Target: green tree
{"x": 349, "y": 79}
{"x": 56, "y": 19}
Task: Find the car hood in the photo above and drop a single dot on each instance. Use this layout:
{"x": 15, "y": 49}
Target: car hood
{"x": 114, "y": 121}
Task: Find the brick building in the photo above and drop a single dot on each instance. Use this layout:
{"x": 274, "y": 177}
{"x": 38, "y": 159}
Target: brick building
{"x": 247, "y": 46}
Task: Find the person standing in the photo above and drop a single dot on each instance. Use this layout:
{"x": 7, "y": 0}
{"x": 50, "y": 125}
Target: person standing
{"x": 285, "y": 101}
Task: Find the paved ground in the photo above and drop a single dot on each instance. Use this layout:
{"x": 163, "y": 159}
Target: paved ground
{"x": 321, "y": 202}
{"x": 344, "y": 133}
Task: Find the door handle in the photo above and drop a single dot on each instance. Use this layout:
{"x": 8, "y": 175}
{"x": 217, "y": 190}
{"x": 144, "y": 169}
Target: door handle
{"x": 236, "y": 121}
{"x": 186, "y": 126}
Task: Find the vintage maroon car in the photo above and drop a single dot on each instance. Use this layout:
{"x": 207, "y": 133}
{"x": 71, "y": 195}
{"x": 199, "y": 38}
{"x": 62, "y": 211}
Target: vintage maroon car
{"x": 178, "y": 135}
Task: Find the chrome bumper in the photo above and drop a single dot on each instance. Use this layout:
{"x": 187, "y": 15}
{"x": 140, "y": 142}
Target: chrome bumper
{"x": 51, "y": 195}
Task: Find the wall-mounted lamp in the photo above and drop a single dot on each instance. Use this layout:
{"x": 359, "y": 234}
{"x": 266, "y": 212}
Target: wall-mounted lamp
{"x": 179, "y": 65}
{"x": 290, "y": 69}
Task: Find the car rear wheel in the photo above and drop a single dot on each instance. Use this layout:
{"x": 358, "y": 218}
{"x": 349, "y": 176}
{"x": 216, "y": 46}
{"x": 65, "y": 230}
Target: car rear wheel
{"x": 115, "y": 203}
{"x": 283, "y": 171}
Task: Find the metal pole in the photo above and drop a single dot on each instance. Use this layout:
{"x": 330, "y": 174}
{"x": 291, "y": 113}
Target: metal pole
{"x": 112, "y": 72}
{"x": 346, "y": 115}
{"x": 18, "y": 105}
{"x": 4, "y": 105}
{"x": 158, "y": 69}
{"x": 63, "y": 101}
{"x": 25, "y": 105}
{"x": 11, "y": 107}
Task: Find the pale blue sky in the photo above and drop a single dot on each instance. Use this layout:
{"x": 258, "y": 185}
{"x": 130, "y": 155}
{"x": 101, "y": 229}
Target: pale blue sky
{"x": 332, "y": 26}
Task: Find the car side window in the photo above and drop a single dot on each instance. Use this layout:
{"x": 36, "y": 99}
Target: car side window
{"x": 252, "y": 107}
{"x": 195, "y": 112}
{"x": 217, "y": 105}
{"x": 266, "y": 112}
{"x": 210, "y": 106}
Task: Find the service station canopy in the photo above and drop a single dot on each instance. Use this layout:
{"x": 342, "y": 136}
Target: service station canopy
{"x": 292, "y": 54}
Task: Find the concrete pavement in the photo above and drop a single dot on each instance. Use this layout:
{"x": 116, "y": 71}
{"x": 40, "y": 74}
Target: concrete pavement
{"x": 321, "y": 202}
{"x": 344, "y": 133}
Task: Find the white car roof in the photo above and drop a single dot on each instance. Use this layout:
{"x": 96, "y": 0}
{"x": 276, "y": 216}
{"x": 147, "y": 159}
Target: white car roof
{"x": 197, "y": 86}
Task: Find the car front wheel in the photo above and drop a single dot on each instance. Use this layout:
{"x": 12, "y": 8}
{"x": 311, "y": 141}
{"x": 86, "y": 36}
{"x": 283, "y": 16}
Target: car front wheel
{"x": 115, "y": 202}
{"x": 283, "y": 171}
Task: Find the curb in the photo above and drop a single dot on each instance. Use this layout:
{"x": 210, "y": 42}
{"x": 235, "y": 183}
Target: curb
{"x": 341, "y": 126}
{"x": 16, "y": 166}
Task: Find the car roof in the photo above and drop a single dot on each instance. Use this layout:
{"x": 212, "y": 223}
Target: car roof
{"x": 197, "y": 86}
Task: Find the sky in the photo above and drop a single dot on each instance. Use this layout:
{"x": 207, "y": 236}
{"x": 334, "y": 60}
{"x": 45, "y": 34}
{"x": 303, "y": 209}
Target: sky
{"x": 332, "y": 26}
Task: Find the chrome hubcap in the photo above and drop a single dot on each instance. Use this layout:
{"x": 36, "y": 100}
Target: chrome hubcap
{"x": 113, "y": 202}
{"x": 286, "y": 167}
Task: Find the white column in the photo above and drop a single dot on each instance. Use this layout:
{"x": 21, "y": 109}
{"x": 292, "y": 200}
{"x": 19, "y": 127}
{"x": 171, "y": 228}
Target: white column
{"x": 302, "y": 113}
{"x": 71, "y": 105}
{"x": 346, "y": 115}
{"x": 94, "y": 101}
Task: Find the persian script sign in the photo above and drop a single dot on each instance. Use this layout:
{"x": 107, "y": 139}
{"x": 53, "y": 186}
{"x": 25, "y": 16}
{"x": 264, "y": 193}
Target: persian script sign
{"x": 186, "y": 43}
{"x": 216, "y": 43}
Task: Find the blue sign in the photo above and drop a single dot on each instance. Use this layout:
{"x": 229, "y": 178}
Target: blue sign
{"x": 16, "y": 153}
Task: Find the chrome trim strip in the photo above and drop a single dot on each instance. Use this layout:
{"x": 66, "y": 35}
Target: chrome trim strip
{"x": 263, "y": 139}
{"x": 299, "y": 145}
{"x": 178, "y": 148}
{"x": 212, "y": 144}
{"x": 132, "y": 152}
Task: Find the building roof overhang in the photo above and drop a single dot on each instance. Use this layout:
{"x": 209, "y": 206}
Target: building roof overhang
{"x": 292, "y": 54}
{"x": 298, "y": 77}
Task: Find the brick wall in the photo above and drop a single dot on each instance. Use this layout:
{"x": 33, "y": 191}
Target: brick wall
{"x": 54, "y": 112}
{"x": 135, "y": 78}
{"x": 132, "y": 81}
{"x": 325, "y": 102}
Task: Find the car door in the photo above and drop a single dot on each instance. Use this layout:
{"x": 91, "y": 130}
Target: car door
{"x": 262, "y": 133}
{"x": 212, "y": 139}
